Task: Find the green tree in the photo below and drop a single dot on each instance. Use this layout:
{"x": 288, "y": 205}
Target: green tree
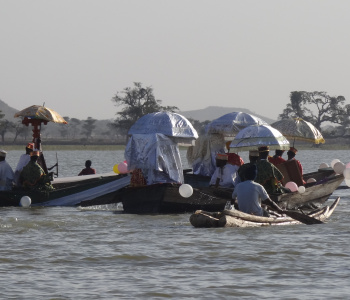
{"x": 88, "y": 127}
{"x": 317, "y": 108}
{"x": 136, "y": 102}
{"x": 73, "y": 125}
{"x": 64, "y": 128}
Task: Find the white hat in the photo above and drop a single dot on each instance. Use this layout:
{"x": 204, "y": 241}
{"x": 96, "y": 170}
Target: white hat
{"x": 3, "y": 153}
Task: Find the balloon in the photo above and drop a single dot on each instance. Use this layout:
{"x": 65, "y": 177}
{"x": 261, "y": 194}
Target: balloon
{"x": 185, "y": 190}
{"x": 292, "y": 186}
{"x": 334, "y": 161}
{"x": 115, "y": 169}
{"x": 347, "y": 165}
{"x": 346, "y": 173}
{"x": 339, "y": 167}
{"x": 123, "y": 168}
{"x": 311, "y": 180}
{"x": 347, "y": 182}
{"x": 323, "y": 166}
{"x": 25, "y": 201}
{"x": 301, "y": 189}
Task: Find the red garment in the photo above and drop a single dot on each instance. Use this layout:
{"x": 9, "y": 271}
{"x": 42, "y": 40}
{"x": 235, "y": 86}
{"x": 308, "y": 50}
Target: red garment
{"x": 87, "y": 171}
{"x": 235, "y": 159}
{"x": 276, "y": 160}
{"x": 137, "y": 178}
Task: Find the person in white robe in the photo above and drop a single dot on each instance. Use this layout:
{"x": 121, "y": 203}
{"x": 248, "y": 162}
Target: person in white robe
{"x": 23, "y": 161}
{"x": 225, "y": 174}
{"x": 6, "y": 173}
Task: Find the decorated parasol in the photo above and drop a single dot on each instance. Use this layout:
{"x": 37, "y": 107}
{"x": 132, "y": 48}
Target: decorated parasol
{"x": 299, "y": 130}
{"x": 254, "y": 136}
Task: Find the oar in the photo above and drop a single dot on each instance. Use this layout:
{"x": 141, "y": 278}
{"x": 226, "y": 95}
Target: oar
{"x": 301, "y": 217}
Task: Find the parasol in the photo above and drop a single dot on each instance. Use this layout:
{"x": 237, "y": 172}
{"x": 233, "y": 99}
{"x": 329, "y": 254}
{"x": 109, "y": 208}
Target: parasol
{"x": 230, "y": 124}
{"x": 254, "y": 136}
{"x": 41, "y": 113}
{"x": 165, "y": 122}
{"x": 299, "y": 129}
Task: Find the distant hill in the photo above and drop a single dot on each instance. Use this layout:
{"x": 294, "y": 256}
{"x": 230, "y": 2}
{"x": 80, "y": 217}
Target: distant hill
{"x": 214, "y": 112}
{"x": 7, "y": 110}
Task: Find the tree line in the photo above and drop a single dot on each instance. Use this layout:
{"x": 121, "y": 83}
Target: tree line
{"x": 318, "y": 108}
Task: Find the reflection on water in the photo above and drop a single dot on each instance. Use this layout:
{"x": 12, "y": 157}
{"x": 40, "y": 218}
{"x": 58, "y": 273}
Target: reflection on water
{"x": 101, "y": 253}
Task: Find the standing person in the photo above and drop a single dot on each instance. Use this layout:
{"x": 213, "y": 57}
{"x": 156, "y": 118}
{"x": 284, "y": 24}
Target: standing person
{"x": 88, "y": 170}
{"x": 291, "y": 156}
{"x": 250, "y": 195}
{"x": 277, "y": 158}
{"x": 23, "y": 161}
{"x": 224, "y": 174}
{"x": 268, "y": 175}
{"x": 6, "y": 173}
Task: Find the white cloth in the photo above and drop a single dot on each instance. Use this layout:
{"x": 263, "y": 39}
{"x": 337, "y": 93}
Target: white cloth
{"x": 227, "y": 175}
{"x": 249, "y": 195}
{"x": 23, "y": 161}
{"x": 6, "y": 176}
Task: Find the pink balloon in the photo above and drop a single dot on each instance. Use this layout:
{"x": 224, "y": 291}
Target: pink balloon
{"x": 292, "y": 186}
{"x": 123, "y": 168}
{"x": 347, "y": 165}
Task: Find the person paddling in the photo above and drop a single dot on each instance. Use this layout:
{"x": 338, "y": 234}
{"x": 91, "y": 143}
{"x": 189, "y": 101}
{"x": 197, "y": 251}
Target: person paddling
{"x": 88, "y": 170}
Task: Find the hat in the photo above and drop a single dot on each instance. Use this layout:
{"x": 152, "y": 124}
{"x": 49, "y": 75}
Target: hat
{"x": 294, "y": 150}
{"x": 3, "y": 153}
{"x": 264, "y": 149}
{"x": 35, "y": 153}
{"x": 222, "y": 156}
{"x": 253, "y": 153}
{"x": 30, "y": 146}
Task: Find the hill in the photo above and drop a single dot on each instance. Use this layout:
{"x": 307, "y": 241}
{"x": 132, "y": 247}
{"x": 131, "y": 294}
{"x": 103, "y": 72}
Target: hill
{"x": 213, "y": 112}
{"x": 7, "y": 110}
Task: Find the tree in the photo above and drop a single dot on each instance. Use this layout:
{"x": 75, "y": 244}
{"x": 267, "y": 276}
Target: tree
{"x": 73, "y": 124}
{"x": 64, "y": 128}
{"x": 88, "y": 127}
{"x": 317, "y": 108}
{"x": 199, "y": 126}
{"x": 136, "y": 102}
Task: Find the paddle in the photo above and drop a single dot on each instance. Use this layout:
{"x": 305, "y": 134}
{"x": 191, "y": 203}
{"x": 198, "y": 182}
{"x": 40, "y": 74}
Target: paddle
{"x": 301, "y": 217}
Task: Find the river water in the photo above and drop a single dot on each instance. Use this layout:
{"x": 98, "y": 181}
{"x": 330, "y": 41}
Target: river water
{"x": 101, "y": 253}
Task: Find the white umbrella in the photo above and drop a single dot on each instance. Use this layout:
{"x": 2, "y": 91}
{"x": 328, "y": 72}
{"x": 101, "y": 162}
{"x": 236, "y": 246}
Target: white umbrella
{"x": 254, "y": 136}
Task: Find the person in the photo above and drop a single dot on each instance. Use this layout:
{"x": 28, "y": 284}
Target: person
{"x": 250, "y": 195}
{"x": 224, "y": 174}
{"x": 88, "y": 170}
{"x": 268, "y": 175}
{"x": 291, "y": 156}
{"x": 253, "y": 158}
{"x": 33, "y": 176}
{"x": 277, "y": 158}
{"x": 233, "y": 158}
{"x": 23, "y": 161}
{"x": 6, "y": 173}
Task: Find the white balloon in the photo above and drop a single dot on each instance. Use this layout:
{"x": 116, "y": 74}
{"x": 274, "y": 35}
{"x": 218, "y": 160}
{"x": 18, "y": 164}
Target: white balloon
{"x": 185, "y": 190}
{"x": 323, "y": 166}
{"x": 334, "y": 161}
{"x": 311, "y": 180}
{"x": 301, "y": 189}
{"x": 25, "y": 201}
{"x": 339, "y": 167}
{"x": 346, "y": 173}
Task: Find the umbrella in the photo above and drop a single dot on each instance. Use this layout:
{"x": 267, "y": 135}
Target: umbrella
{"x": 254, "y": 136}
{"x": 40, "y": 113}
{"x": 230, "y": 124}
{"x": 165, "y": 122}
{"x": 299, "y": 129}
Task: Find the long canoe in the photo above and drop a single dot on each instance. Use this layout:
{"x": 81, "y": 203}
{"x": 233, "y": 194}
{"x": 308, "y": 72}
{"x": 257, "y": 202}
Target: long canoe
{"x": 235, "y": 218}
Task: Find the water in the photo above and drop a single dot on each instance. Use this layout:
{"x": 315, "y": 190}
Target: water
{"x": 101, "y": 253}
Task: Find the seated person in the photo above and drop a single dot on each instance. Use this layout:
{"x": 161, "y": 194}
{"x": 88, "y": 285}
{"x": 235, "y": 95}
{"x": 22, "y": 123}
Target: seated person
{"x": 233, "y": 158}
{"x": 277, "y": 158}
{"x": 6, "y": 173}
{"x": 291, "y": 156}
{"x": 253, "y": 158}
{"x": 23, "y": 160}
{"x": 250, "y": 195}
{"x": 88, "y": 170}
{"x": 33, "y": 176}
{"x": 224, "y": 174}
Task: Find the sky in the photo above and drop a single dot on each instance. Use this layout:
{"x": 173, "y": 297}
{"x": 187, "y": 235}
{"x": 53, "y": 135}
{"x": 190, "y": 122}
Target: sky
{"x": 75, "y": 55}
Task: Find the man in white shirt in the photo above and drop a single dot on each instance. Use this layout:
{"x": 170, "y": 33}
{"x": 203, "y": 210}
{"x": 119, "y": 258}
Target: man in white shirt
{"x": 224, "y": 174}
{"x": 6, "y": 173}
{"x": 23, "y": 161}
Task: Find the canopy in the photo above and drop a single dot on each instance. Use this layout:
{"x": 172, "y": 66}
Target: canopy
{"x": 299, "y": 129}
{"x": 254, "y": 136}
{"x": 41, "y": 113}
{"x": 230, "y": 124}
{"x": 165, "y": 122}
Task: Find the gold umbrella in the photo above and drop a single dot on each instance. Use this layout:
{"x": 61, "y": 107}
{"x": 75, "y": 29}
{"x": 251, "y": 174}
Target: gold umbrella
{"x": 41, "y": 113}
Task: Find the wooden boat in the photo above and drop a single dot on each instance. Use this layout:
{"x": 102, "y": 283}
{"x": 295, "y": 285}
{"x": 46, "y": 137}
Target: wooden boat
{"x": 235, "y": 218}
{"x": 71, "y": 191}
{"x": 165, "y": 198}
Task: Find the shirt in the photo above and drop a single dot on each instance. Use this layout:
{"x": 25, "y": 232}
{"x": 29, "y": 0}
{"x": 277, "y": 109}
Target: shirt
{"x": 6, "y": 176}
{"x": 23, "y": 161}
{"x": 249, "y": 195}
{"x": 227, "y": 175}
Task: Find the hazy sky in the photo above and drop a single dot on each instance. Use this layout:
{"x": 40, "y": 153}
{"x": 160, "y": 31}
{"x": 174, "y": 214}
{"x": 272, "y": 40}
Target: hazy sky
{"x": 74, "y": 55}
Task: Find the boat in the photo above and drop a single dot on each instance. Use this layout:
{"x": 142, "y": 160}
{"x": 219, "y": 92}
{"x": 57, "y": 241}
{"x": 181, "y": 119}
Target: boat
{"x": 165, "y": 198}
{"x": 236, "y": 218}
{"x": 71, "y": 191}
